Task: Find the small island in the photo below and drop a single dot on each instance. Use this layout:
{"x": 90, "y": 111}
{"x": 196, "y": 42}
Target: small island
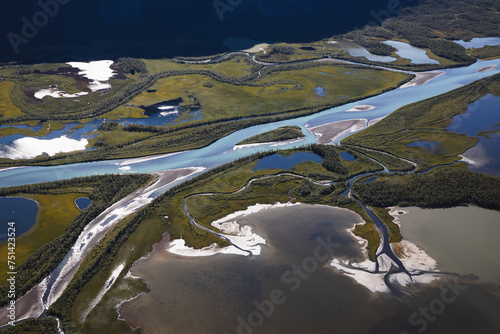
{"x": 280, "y": 134}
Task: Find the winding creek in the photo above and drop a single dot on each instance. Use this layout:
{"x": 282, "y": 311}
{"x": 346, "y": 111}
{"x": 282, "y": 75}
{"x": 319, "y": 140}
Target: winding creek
{"x": 184, "y": 165}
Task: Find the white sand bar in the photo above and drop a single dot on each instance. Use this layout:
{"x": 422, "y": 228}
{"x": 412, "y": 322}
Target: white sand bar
{"x": 327, "y": 133}
{"x": 178, "y": 247}
{"x": 422, "y": 78}
{"x": 362, "y": 107}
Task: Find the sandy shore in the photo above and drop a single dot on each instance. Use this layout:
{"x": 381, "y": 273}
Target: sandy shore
{"x": 362, "y": 107}
{"x": 327, "y": 133}
{"x": 271, "y": 143}
{"x": 486, "y": 68}
{"x": 414, "y": 258}
{"x": 376, "y": 120}
{"x": 422, "y": 78}
{"x": 3, "y": 169}
{"x": 30, "y": 305}
{"x": 147, "y": 158}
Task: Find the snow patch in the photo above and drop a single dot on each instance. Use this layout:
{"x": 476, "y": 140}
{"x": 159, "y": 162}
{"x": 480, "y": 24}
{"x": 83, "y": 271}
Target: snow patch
{"x": 99, "y": 70}
{"x": 29, "y": 147}
{"x": 55, "y": 93}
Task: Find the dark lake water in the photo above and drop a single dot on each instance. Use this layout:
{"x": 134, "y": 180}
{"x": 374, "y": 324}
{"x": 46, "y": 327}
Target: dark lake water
{"x": 22, "y": 211}
{"x": 280, "y": 161}
{"x": 225, "y": 293}
{"x": 107, "y": 29}
{"x": 347, "y": 156}
{"x": 482, "y": 115}
{"x": 83, "y": 202}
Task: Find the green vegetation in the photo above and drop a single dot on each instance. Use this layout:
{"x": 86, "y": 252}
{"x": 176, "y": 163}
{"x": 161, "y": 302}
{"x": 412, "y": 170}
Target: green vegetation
{"x": 55, "y": 213}
{"x": 391, "y": 162}
{"x": 129, "y": 65}
{"x": 102, "y": 190}
{"x": 426, "y": 121}
{"x": 7, "y": 108}
{"x": 43, "y": 76}
{"x": 132, "y": 238}
{"x": 440, "y": 188}
{"x": 432, "y": 25}
{"x": 244, "y": 106}
{"x": 367, "y": 231}
{"x": 290, "y": 52}
{"x": 234, "y": 93}
{"x": 280, "y": 134}
{"x": 331, "y": 159}
{"x": 487, "y": 52}
{"x": 280, "y": 88}
{"x": 388, "y": 220}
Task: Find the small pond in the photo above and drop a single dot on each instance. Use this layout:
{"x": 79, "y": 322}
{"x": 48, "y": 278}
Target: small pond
{"x": 83, "y": 202}
{"x": 347, "y": 156}
{"x": 278, "y": 161}
{"x": 19, "y": 210}
{"x": 320, "y": 91}
{"x": 371, "y": 179}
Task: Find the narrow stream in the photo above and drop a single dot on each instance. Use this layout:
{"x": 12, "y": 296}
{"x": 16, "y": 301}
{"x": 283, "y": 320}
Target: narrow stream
{"x": 222, "y": 151}
{"x": 385, "y": 246}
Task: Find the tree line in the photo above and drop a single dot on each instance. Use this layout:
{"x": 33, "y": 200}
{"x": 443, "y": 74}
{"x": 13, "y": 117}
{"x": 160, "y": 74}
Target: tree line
{"x": 442, "y": 188}
{"x": 107, "y": 190}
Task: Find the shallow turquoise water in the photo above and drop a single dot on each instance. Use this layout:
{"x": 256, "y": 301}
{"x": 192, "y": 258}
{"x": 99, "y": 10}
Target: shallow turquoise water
{"x": 222, "y": 151}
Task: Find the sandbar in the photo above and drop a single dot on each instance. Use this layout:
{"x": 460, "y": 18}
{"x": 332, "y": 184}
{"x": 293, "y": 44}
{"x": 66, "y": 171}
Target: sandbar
{"x": 30, "y": 305}
{"x": 271, "y": 143}
{"x": 422, "y": 78}
{"x": 327, "y": 133}
{"x": 486, "y": 68}
{"x": 362, "y": 107}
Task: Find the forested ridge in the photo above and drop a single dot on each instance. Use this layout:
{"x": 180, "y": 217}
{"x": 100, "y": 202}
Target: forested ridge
{"x": 433, "y": 24}
{"x": 441, "y": 188}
